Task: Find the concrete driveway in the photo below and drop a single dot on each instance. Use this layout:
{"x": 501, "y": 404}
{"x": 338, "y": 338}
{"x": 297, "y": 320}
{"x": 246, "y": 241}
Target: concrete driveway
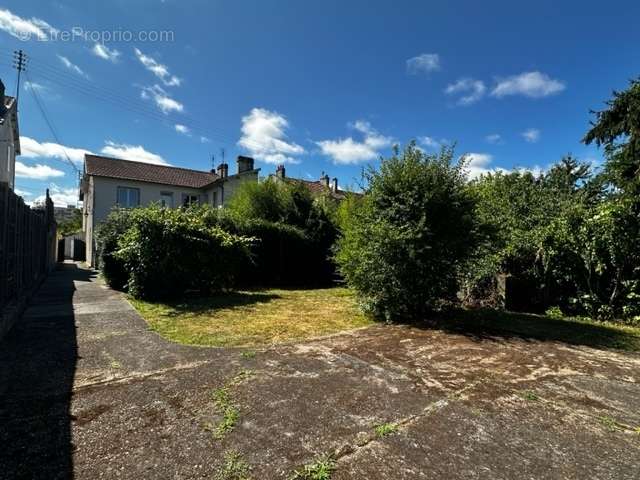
{"x": 87, "y": 391}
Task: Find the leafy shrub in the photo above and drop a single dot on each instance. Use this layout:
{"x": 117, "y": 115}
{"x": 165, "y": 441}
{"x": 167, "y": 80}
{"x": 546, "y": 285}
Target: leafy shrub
{"x": 575, "y": 243}
{"x": 170, "y": 251}
{"x": 107, "y": 235}
{"x": 403, "y": 246}
{"x": 554, "y": 313}
{"x": 295, "y": 232}
{"x": 610, "y": 251}
{"x": 279, "y": 254}
{"x": 269, "y": 201}
{"x": 69, "y": 226}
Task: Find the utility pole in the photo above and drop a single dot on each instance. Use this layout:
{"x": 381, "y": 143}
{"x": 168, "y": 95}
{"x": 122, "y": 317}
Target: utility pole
{"x": 20, "y": 64}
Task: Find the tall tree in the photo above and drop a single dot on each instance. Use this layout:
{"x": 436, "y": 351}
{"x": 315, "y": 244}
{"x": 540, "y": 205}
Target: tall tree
{"x": 617, "y": 128}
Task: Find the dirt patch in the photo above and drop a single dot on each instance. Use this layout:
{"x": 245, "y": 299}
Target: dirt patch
{"x": 460, "y": 405}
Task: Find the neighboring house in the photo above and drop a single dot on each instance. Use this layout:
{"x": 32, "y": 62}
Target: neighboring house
{"x": 109, "y": 182}
{"x": 9, "y": 138}
{"x": 316, "y": 187}
{"x": 64, "y": 214}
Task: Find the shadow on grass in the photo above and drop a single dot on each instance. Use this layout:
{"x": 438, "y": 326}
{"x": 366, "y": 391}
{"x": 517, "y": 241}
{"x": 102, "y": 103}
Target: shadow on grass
{"x": 195, "y": 305}
{"x": 496, "y": 326}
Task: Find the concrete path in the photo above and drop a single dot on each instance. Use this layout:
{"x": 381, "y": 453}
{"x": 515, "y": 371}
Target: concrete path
{"x": 87, "y": 391}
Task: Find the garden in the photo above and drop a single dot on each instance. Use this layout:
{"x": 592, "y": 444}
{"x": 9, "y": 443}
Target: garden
{"x": 423, "y": 242}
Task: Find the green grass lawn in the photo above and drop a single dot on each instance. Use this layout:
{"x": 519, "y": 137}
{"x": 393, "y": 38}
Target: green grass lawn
{"x": 252, "y": 318}
{"x": 263, "y": 317}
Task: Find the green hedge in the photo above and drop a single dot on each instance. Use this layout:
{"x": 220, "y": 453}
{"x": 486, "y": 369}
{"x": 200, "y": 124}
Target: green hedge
{"x": 281, "y": 254}
{"x": 107, "y": 235}
{"x": 157, "y": 253}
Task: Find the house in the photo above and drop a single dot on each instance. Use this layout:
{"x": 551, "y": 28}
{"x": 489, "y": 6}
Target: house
{"x": 316, "y": 187}
{"x": 9, "y": 137}
{"x": 109, "y": 182}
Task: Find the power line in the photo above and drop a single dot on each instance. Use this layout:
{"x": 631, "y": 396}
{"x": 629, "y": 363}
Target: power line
{"x": 49, "y": 122}
{"x": 90, "y": 89}
{"x": 134, "y": 105}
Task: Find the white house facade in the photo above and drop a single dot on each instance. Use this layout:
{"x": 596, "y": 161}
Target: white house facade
{"x": 9, "y": 138}
{"x": 109, "y": 182}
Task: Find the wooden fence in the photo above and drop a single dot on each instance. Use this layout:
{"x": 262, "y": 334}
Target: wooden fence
{"x": 27, "y": 251}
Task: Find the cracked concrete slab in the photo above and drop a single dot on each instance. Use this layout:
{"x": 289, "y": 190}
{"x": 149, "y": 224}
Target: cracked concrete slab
{"x": 88, "y": 391}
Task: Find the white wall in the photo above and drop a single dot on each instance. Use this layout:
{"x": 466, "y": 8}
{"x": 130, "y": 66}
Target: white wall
{"x": 106, "y": 194}
{"x": 7, "y": 151}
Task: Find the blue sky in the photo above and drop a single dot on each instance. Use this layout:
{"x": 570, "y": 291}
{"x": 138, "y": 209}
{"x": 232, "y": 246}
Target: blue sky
{"x": 323, "y": 86}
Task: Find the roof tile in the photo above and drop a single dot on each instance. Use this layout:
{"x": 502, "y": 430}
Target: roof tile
{"x": 147, "y": 172}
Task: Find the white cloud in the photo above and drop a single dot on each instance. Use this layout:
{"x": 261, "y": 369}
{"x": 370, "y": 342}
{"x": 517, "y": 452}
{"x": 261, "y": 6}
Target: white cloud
{"x": 424, "y": 63}
{"x": 494, "y": 139}
{"x": 34, "y": 85}
{"x": 263, "y": 135}
{"x": 182, "y": 129}
{"x": 132, "y": 152}
{"x": 22, "y": 193}
{"x": 204, "y": 139}
{"x": 162, "y": 100}
{"x": 349, "y": 151}
{"x": 479, "y": 164}
{"x": 158, "y": 69}
{"x": 531, "y": 135}
{"x": 31, "y": 148}
{"x": 536, "y": 170}
{"x": 61, "y": 197}
{"x": 429, "y": 142}
{"x": 72, "y": 66}
{"x": 23, "y": 28}
{"x": 529, "y": 84}
{"x": 37, "y": 172}
{"x": 472, "y": 90}
{"x": 106, "y": 53}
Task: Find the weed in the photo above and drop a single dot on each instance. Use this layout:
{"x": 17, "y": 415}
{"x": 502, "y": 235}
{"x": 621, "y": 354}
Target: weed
{"x": 609, "y": 423}
{"x": 241, "y": 376}
{"x": 224, "y": 404}
{"x": 530, "y": 396}
{"x": 234, "y": 468}
{"x": 230, "y": 418}
{"x": 321, "y": 469}
{"x": 113, "y": 362}
{"x": 385, "y": 429}
{"x": 230, "y": 413}
{"x": 248, "y": 354}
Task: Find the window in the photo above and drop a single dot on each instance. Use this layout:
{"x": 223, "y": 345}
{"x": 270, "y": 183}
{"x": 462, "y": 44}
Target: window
{"x": 166, "y": 199}
{"x": 128, "y": 197}
{"x": 189, "y": 199}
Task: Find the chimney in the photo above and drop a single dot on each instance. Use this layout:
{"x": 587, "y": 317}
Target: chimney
{"x": 324, "y": 180}
{"x": 280, "y": 171}
{"x": 245, "y": 164}
{"x": 334, "y": 185}
{"x": 223, "y": 170}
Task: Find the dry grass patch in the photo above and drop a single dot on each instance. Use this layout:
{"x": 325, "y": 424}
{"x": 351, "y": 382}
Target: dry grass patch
{"x": 249, "y": 318}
